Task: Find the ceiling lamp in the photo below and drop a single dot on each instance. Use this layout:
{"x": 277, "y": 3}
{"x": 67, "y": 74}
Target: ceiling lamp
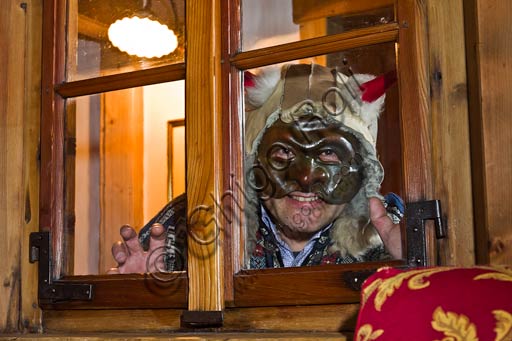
{"x": 142, "y": 36}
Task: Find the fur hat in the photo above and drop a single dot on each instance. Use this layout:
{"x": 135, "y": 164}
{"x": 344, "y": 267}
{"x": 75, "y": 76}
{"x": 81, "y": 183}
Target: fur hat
{"x": 353, "y": 102}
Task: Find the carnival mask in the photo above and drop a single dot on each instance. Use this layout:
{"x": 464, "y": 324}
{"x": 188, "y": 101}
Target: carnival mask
{"x": 310, "y": 156}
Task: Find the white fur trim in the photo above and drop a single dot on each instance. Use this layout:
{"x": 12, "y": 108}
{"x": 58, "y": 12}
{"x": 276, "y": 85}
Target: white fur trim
{"x": 264, "y": 85}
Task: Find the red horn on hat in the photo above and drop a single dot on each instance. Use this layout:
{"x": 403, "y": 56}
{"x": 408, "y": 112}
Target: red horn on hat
{"x": 248, "y": 79}
{"x": 375, "y": 88}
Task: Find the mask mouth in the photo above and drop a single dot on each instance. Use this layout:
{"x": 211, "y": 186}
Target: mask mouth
{"x": 305, "y": 197}
{"x": 296, "y": 192}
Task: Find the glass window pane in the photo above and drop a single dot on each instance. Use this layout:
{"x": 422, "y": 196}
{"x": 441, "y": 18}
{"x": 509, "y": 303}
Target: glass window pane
{"x": 273, "y": 22}
{"x": 314, "y": 155}
{"x": 121, "y": 174}
{"x": 116, "y": 36}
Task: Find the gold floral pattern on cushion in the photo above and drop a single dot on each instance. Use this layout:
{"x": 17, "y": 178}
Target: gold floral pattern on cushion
{"x": 368, "y": 291}
{"x": 454, "y": 326}
{"x": 499, "y": 274}
{"x": 386, "y": 288}
{"x": 436, "y": 303}
{"x": 503, "y": 325}
{"x": 366, "y": 333}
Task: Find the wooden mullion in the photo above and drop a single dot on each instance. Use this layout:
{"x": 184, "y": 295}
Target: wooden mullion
{"x": 316, "y": 46}
{"x": 126, "y": 80}
{"x": 204, "y": 147}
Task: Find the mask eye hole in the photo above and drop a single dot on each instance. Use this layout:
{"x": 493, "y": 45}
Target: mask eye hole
{"x": 280, "y": 156}
{"x": 329, "y": 156}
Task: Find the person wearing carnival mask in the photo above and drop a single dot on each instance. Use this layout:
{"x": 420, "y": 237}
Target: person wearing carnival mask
{"x": 313, "y": 177}
{"x": 313, "y": 169}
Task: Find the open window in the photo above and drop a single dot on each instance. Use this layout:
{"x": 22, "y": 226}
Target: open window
{"x": 352, "y": 37}
{"x": 102, "y": 121}
{"x": 104, "y": 147}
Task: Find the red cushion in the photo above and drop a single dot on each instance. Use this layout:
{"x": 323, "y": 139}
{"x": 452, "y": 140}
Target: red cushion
{"x": 439, "y": 303}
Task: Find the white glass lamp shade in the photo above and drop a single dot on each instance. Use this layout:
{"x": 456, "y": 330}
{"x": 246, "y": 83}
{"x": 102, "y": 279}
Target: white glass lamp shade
{"x": 142, "y": 37}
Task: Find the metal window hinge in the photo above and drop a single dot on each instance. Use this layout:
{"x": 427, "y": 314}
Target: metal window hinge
{"x": 415, "y": 215}
{"x": 49, "y": 290}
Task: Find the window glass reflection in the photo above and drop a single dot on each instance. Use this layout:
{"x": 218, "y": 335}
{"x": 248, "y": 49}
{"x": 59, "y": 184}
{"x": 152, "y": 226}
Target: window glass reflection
{"x": 121, "y": 174}
{"x": 272, "y": 22}
{"x": 315, "y": 155}
{"x": 109, "y": 37}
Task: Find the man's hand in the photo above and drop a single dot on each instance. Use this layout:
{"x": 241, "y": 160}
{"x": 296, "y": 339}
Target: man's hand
{"x": 389, "y": 232}
{"x": 131, "y": 257}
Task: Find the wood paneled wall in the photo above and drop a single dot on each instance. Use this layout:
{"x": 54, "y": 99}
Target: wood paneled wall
{"x": 20, "y": 78}
{"x": 450, "y": 129}
{"x": 489, "y": 50}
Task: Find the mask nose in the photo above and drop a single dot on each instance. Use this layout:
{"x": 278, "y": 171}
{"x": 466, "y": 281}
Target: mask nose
{"x": 306, "y": 173}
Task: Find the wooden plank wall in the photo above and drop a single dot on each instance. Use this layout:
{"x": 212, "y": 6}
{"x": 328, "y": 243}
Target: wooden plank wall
{"x": 488, "y": 36}
{"x": 450, "y": 129}
{"x": 20, "y": 70}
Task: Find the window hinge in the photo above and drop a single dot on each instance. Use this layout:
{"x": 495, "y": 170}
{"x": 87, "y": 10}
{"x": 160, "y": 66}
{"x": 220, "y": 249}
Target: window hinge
{"x": 51, "y": 291}
{"x": 415, "y": 215}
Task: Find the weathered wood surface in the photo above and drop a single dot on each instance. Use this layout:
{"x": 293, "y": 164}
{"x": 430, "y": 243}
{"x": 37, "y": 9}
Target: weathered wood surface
{"x": 305, "y": 319}
{"x": 30, "y": 315}
{"x": 189, "y": 337}
{"x": 416, "y": 120}
{"x": 19, "y": 131}
{"x": 450, "y": 129}
{"x": 490, "y": 76}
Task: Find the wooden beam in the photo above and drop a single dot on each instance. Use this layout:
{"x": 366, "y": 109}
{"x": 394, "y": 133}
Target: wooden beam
{"x": 317, "y": 46}
{"x": 450, "y": 128}
{"x": 203, "y": 143}
{"x": 20, "y": 56}
{"x": 491, "y": 124}
{"x": 12, "y": 51}
{"x": 312, "y": 319}
{"x": 122, "y": 80}
{"x": 30, "y": 312}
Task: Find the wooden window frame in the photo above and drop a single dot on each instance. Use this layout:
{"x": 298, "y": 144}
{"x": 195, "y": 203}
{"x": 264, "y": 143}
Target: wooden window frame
{"x": 215, "y": 282}
{"x": 248, "y": 288}
{"x": 138, "y": 291}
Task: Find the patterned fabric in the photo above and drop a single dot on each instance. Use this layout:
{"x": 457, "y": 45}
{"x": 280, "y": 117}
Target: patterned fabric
{"x": 438, "y": 303}
{"x": 172, "y": 217}
{"x": 394, "y": 206}
{"x": 267, "y": 254}
{"x": 271, "y": 252}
